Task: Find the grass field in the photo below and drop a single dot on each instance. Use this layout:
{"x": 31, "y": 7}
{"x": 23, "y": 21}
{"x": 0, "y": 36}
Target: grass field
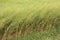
{"x": 29, "y": 19}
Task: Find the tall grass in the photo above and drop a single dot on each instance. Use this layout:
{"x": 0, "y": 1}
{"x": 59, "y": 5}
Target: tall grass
{"x": 29, "y": 20}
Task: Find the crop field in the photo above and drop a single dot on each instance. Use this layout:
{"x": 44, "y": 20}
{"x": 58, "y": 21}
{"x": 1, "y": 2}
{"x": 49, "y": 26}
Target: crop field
{"x": 29, "y": 19}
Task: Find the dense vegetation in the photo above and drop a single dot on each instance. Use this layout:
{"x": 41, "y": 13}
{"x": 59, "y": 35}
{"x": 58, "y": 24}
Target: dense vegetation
{"x": 29, "y": 20}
